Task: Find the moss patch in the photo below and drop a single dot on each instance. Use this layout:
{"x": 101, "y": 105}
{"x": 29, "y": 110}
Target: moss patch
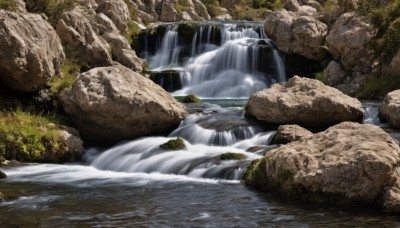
{"x": 191, "y": 98}
{"x": 232, "y": 156}
{"x": 31, "y": 138}
{"x": 255, "y": 174}
{"x": 173, "y": 144}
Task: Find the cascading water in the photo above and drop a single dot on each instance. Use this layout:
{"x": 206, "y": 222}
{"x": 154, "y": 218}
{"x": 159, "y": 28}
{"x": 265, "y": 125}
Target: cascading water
{"x": 217, "y": 60}
{"x": 206, "y": 138}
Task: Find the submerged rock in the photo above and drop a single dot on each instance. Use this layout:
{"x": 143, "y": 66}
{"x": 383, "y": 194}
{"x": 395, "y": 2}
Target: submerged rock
{"x": 173, "y": 144}
{"x": 111, "y": 104}
{"x": 290, "y": 133}
{"x": 31, "y": 52}
{"x": 390, "y": 109}
{"x": 191, "y": 98}
{"x": 347, "y": 164}
{"x": 170, "y": 80}
{"x": 305, "y": 102}
{"x": 232, "y": 156}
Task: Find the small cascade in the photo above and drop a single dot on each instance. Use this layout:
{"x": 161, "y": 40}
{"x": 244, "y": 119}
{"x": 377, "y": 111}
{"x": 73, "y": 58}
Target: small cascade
{"x": 206, "y": 138}
{"x": 218, "y": 60}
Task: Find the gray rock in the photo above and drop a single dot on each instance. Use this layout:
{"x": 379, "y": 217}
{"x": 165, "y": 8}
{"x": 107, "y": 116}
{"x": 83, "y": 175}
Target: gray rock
{"x": 111, "y": 104}
{"x": 31, "y": 52}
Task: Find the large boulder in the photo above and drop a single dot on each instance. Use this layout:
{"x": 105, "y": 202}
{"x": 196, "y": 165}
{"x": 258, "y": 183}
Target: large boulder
{"x": 111, "y": 104}
{"x": 296, "y": 34}
{"x": 78, "y": 35}
{"x": 390, "y": 109}
{"x": 348, "y": 42}
{"x": 31, "y": 52}
{"x": 347, "y": 164}
{"x": 305, "y": 102}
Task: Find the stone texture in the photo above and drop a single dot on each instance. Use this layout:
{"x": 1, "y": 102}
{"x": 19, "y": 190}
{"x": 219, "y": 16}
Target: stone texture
{"x": 295, "y": 6}
{"x": 31, "y": 52}
{"x": 117, "y": 11}
{"x": 390, "y": 109}
{"x": 296, "y": 34}
{"x": 348, "y": 42}
{"x": 111, "y": 104}
{"x": 78, "y": 35}
{"x": 290, "y": 133}
{"x": 347, "y": 164}
{"x": 305, "y": 102}
{"x": 72, "y": 140}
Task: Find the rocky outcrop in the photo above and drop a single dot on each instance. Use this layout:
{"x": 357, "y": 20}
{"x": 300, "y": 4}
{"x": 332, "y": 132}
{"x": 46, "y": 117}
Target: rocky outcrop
{"x": 31, "y": 52}
{"x": 111, "y": 104}
{"x": 390, "y": 109}
{"x": 334, "y": 75}
{"x": 20, "y": 6}
{"x": 296, "y": 34}
{"x": 290, "y": 133}
{"x": 304, "y": 10}
{"x": 305, "y": 102}
{"x": 347, "y": 164}
{"x": 78, "y": 35}
{"x": 71, "y": 140}
{"x": 348, "y": 41}
{"x": 117, "y": 11}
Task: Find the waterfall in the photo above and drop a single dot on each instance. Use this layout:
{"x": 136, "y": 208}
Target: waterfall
{"x": 218, "y": 60}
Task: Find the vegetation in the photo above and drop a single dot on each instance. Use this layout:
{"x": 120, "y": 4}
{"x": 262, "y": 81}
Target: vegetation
{"x": 52, "y": 8}
{"x": 252, "y": 10}
{"x": 378, "y": 87}
{"x": 173, "y": 144}
{"x": 254, "y": 175}
{"x": 69, "y": 73}
{"x": 232, "y": 156}
{"x": 182, "y": 4}
{"x": 191, "y": 98}
{"x": 31, "y": 138}
{"x": 133, "y": 28}
{"x": 8, "y": 5}
{"x": 213, "y": 7}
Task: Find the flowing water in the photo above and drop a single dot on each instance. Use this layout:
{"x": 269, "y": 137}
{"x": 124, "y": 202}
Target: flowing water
{"x": 138, "y": 184}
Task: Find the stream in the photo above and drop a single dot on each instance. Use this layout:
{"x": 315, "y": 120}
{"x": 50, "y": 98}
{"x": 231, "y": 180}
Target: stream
{"x": 138, "y": 184}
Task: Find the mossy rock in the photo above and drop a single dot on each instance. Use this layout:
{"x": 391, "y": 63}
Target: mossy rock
{"x": 232, "y": 156}
{"x": 170, "y": 80}
{"x": 2, "y": 175}
{"x": 191, "y": 98}
{"x": 173, "y": 144}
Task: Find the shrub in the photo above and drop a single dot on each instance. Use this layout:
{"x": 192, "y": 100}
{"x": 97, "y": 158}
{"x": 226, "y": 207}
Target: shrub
{"x": 378, "y": 87}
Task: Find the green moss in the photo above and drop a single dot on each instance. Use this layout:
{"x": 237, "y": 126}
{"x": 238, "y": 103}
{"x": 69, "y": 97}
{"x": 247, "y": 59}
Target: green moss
{"x": 254, "y": 176}
{"x": 213, "y": 7}
{"x": 30, "y": 138}
{"x": 232, "y": 156}
{"x": 191, "y": 98}
{"x": 283, "y": 176}
{"x": 173, "y": 144}
{"x": 186, "y": 31}
{"x": 378, "y": 87}
{"x": 8, "y": 5}
{"x": 52, "y": 8}
{"x": 181, "y": 5}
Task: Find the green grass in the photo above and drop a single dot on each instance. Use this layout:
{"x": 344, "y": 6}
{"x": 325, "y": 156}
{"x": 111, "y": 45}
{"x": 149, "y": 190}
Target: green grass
{"x": 191, "y": 98}
{"x": 28, "y": 137}
{"x": 8, "y": 5}
{"x": 213, "y": 7}
{"x": 182, "y": 4}
{"x": 70, "y": 71}
{"x": 252, "y": 10}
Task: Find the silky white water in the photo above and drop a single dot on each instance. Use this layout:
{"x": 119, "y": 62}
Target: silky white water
{"x": 240, "y": 63}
